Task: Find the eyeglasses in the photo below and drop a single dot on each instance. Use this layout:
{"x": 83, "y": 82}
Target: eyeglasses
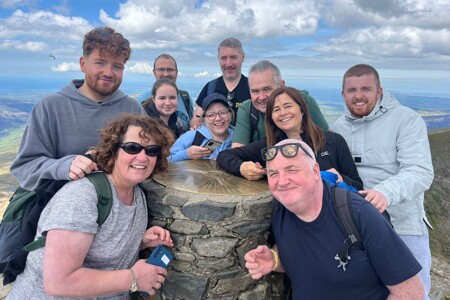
{"x": 163, "y": 70}
{"x": 212, "y": 115}
{"x": 288, "y": 150}
{"x": 135, "y": 148}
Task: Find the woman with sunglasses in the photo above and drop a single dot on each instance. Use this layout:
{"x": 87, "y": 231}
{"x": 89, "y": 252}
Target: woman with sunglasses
{"x": 163, "y": 105}
{"x": 287, "y": 116}
{"x": 214, "y": 136}
{"x": 81, "y": 259}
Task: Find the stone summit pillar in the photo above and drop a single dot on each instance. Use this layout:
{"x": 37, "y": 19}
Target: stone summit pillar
{"x": 214, "y": 219}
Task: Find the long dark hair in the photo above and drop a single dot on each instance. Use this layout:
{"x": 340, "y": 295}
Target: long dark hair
{"x": 312, "y": 134}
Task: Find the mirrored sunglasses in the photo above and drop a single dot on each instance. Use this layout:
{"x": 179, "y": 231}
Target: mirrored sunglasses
{"x": 135, "y": 148}
{"x": 287, "y": 150}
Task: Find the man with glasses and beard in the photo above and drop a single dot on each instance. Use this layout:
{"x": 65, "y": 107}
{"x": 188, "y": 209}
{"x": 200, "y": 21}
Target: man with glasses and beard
{"x": 308, "y": 235}
{"x": 232, "y": 84}
{"x": 63, "y": 126}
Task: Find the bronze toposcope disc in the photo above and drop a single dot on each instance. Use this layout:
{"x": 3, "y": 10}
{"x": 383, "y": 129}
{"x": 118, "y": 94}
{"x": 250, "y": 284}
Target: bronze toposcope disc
{"x": 205, "y": 177}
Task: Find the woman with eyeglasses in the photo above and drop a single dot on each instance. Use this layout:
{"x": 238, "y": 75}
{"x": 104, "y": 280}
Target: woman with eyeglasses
{"x": 287, "y": 116}
{"x": 214, "y": 136}
{"x": 163, "y": 105}
{"x": 81, "y": 259}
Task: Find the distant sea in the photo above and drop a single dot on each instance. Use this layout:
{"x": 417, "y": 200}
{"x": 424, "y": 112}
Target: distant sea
{"x": 434, "y": 108}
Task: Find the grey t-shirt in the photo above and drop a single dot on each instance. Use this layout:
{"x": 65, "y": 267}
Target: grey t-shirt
{"x": 116, "y": 243}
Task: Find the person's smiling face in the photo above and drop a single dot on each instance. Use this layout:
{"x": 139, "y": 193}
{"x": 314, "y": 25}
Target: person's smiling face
{"x": 287, "y": 115}
{"x": 131, "y": 169}
{"x": 361, "y": 94}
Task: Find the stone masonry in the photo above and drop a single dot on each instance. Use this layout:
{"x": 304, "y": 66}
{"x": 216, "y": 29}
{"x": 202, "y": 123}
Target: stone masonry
{"x": 212, "y": 233}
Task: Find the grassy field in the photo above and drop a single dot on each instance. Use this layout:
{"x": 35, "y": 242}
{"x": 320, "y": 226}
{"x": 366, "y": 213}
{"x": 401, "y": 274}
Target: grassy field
{"x": 8, "y": 149}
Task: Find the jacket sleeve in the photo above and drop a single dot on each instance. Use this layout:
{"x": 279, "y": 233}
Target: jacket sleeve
{"x": 415, "y": 173}
{"x": 242, "y": 133}
{"x": 178, "y": 151}
{"x": 345, "y": 164}
{"x": 230, "y": 160}
{"x": 36, "y": 159}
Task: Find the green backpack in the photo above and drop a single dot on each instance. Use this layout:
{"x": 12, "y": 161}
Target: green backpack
{"x": 19, "y": 224}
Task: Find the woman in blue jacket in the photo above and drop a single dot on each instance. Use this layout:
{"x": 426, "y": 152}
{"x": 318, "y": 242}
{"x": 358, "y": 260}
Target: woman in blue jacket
{"x": 208, "y": 140}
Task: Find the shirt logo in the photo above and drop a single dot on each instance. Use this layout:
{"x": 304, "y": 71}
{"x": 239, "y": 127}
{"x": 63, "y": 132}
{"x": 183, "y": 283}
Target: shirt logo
{"x": 325, "y": 153}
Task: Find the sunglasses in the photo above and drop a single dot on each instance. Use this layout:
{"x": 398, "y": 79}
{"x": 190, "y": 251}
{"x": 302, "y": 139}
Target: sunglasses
{"x": 287, "y": 150}
{"x": 230, "y": 97}
{"x": 135, "y": 148}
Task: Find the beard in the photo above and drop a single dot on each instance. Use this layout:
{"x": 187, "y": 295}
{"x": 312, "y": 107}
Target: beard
{"x": 99, "y": 87}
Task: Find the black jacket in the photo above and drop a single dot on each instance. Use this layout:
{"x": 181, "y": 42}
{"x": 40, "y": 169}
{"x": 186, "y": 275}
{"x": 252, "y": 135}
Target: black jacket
{"x": 335, "y": 154}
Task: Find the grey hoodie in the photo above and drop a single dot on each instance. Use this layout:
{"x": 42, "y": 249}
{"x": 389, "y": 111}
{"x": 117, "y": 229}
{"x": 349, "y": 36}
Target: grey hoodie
{"x": 61, "y": 126}
{"x": 392, "y": 153}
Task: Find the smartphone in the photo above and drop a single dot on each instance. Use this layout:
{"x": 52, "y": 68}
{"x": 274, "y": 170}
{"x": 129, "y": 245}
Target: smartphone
{"x": 212, "y": 145}
{"x": 160, "y": 257}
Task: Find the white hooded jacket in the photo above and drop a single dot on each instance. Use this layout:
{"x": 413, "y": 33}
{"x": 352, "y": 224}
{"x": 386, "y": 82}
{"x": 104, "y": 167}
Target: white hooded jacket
{"x": 392, "y": 153}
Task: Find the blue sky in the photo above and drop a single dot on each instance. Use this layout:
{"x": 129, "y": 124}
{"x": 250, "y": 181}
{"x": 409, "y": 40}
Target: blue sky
{"x": 312, "y": 41}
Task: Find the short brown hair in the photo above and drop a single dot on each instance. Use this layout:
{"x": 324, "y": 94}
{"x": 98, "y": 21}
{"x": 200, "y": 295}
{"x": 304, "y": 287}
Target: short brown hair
{"x": 112, "y": 136}
{"x": 361, "y": 70}
{"x": 108, "y": 40}
{"x": 314, "y": 135}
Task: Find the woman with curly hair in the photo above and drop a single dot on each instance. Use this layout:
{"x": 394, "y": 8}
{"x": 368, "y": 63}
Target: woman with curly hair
{"x": 84, "y": 260}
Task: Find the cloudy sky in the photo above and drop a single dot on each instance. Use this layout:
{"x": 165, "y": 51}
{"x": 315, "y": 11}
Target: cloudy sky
{"x": 313, "y": 41}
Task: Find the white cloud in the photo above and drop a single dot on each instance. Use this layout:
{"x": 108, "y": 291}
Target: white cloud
{"x": 202, "y": 74}
{"x": 389, "y": 42}
{"x": 182, "y": 23}
{"x": 141, "y": 68}
{"x": 22, "y": 45}
{"x": 66, "y": 67}
{"x": 43, "y": 24}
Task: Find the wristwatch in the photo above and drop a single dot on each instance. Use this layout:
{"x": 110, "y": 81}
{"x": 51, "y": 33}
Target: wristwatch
{"x": 134, "y": 286}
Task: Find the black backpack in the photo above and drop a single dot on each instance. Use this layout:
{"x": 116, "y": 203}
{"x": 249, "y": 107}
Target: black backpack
{"x": 19, "y": 224}
{"x": 342, "y": 202}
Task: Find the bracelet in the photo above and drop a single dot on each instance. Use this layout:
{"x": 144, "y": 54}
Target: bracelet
{"x": 134, "y": 286}
{"x": 276, "y": 258}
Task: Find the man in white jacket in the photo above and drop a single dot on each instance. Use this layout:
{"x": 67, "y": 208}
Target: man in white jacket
{"x": 389, "y": 144}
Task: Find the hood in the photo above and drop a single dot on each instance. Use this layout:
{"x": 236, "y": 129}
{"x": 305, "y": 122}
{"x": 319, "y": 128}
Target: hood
{"x": 384, "y": 104}
{"x": 71, "y": 91}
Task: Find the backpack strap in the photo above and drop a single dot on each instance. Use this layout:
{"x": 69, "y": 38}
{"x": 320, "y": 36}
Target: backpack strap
{"x": 104, "y": 195}
{"x": 104, "y": 204}
{"x": 342, "y": 202}
{"x": 187, "y": 101}
{"x": 254, "y": 118}
{"x": 211, "y": 86}
{"x": 198, "y": 139}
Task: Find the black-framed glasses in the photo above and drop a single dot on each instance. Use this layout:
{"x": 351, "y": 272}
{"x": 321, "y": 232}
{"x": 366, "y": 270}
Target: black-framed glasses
{"x": 212, "y": 115}
{"x": 135, "y": 148}
{"x": 287, "y": 150}
{"x": 163, "y": 70}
